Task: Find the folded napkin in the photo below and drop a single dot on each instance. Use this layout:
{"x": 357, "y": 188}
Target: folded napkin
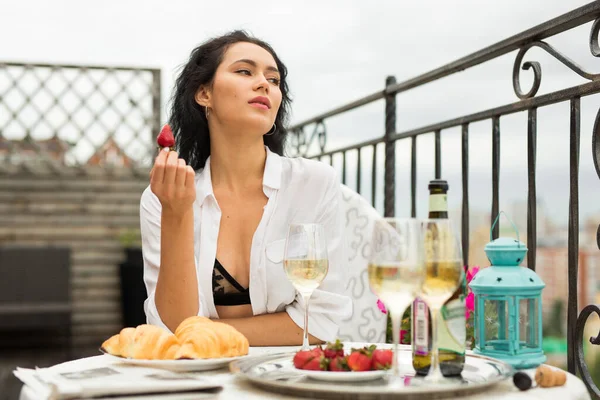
{"x": 111, "y": 380}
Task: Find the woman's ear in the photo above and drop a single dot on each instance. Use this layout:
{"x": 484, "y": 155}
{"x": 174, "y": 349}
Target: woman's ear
{"x": 203, "y": 97}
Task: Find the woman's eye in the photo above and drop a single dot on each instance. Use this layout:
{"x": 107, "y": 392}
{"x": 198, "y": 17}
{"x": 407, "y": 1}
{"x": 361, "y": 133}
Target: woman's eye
{"x": 243, "y": 71}
{"x": 274, "y": 81}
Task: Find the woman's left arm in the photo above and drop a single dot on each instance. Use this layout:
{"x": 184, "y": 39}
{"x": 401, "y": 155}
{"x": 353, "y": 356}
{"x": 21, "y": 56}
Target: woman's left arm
{"x": 276, "y": 329}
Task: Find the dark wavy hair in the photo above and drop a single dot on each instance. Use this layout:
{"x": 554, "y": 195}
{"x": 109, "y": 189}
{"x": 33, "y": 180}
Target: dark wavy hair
{"x": 188, "y": 119}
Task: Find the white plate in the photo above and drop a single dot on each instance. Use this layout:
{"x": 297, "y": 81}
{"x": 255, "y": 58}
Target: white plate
{"x": 349, "y": 376}
{"x": 179, "y": 365}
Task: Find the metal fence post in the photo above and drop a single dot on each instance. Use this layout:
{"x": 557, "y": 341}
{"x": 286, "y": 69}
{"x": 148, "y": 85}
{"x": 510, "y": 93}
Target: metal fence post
{"x": 390, "y": 151}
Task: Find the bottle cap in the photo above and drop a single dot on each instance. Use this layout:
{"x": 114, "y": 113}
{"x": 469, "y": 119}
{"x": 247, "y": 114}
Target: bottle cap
{"x": 438, "y": 184}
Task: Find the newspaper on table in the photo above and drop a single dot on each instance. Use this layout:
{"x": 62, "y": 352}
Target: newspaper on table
{"x": 110, "y": 380}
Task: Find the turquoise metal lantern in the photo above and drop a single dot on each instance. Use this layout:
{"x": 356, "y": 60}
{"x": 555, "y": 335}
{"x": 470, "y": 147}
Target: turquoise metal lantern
{"x": 508, "y": 305}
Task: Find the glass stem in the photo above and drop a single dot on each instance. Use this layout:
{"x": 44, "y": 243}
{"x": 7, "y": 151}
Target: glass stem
{"x": 305, "y": 344}
{"x": 396, "y": 319}
{"x": 435, "y": 371}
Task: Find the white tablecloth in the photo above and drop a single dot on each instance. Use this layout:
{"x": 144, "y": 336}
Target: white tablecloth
{"x": 237, "y": 388}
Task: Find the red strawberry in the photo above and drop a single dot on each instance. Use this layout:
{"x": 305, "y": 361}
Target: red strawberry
{"x": 338, "y": 364}
{"x": 319, "y": 363}
{"x": 360, "y": 359}
{"x": 302, "y": 358}
{"x": 318, "y": 350}
{"x": 334, "y": 349}
{"x": 382, "y": 359}
{"x": 165, "y": 138}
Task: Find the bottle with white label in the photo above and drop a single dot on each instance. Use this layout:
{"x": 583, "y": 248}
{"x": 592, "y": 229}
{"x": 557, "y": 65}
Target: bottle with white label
{"x": 452, "y": 327}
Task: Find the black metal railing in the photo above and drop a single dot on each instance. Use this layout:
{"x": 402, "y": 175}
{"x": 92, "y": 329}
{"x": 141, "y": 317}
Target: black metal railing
{"x": 77, "y": 115}
{"x": 529, "y": 102}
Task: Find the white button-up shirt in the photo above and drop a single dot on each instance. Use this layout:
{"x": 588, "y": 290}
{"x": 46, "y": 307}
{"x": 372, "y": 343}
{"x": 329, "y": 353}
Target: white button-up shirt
{"x": 298, "y": 191}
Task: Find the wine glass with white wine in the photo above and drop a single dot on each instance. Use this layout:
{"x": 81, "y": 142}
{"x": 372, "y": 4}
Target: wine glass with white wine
{"x": 396, "y": 271}
{"x": 444, "y": 271}
{"x": 306, "y": 263}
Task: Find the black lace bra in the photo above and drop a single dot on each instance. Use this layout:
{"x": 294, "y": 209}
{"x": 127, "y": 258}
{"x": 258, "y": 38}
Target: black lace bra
{"x": 226, "y": 290}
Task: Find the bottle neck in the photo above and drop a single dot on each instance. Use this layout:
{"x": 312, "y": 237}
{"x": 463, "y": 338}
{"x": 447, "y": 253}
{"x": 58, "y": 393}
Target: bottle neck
{"x": 438, "y": 204}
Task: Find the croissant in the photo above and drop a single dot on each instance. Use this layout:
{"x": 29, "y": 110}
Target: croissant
{"x": 202, "y": 338}
{"x": 145, "y": 342}
{"x": 195, "y": 338}
{"x": 111, "y": 345}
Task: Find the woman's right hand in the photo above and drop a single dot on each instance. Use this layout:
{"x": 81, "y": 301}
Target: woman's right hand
{"x": 172, "y": 181}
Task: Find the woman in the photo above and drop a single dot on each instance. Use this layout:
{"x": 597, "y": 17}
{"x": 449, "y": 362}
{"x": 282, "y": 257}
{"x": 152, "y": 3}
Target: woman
{"x": 215, "y": 216}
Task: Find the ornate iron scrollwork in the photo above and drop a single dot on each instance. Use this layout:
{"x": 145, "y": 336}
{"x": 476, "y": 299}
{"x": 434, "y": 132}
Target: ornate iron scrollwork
{"x": 579, "y": 327}
{"x": 596, "y": 149}
{"x": 301, "y": 145}
{"x": 298, "y": 140}
{"x": 594, "y": 48}
{"x": 321, "y": 131}
{"x": 537, "y": 69}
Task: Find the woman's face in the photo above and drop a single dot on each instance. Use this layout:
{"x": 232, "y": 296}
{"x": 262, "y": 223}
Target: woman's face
{"x": 245, "y": 93}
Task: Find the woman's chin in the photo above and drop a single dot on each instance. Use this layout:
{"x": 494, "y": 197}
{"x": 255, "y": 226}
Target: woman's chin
{"x": 256, "y": 128}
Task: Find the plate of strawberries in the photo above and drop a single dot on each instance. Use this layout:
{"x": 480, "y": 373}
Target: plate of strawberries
{"x": 334, "y": 363}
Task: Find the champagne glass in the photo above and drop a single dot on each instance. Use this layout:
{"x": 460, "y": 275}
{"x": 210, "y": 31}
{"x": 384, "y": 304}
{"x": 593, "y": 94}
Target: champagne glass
{"x": 396, "y": 271}
{"x": 306, "y": 263}
{"x": 443, "y": 264}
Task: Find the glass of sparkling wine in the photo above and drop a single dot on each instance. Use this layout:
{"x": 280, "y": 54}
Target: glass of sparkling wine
{"x": 396, "y": 271}
{"x": 444, "y": 272}
{"x": 306, "y": 263}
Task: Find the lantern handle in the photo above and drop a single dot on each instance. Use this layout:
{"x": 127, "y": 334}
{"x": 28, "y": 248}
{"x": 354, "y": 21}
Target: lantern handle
{"x": 509, "y": 220}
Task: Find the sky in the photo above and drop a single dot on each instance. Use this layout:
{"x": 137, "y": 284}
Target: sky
{"x": 338, "y": 51}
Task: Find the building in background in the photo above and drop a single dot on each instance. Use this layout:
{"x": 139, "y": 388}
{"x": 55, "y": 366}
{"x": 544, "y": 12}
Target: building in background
{"x": 20, "y": 151}
{"x": 110, "y": 154}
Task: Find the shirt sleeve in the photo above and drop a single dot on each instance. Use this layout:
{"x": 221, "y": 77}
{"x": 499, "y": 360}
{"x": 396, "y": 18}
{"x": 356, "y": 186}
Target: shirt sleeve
{"x": 150, "y": 217}
{"x": 328, "y": 305}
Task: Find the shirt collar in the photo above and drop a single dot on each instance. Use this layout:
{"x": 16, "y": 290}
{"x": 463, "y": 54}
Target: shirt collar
{"x": 271, "y": 177}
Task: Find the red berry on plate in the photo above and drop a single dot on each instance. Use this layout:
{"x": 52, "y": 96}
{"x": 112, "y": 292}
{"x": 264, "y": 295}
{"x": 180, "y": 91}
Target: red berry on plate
{"x": 301, "y": 358}
{"x": 334, "y": 349}
{"x": 165, "y": 138}
{"x": 320, "y": 363}
{"x": 359, "y": 360}
{"x": 382, "y": 359}
{"x": 318, "y": 350}
{"x": 339, "y": 364}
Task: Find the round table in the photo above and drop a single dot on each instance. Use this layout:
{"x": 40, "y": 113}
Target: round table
{"x": 237, "y": 388}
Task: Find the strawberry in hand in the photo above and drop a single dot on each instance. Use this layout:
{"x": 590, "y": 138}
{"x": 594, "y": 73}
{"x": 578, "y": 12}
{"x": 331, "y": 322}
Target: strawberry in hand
{"x": 334, "y": 349}
{"x": 382, "y": 359}
{"x": 166, "y": 138}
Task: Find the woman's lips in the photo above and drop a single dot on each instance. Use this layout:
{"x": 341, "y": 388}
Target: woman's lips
{"x": 259, "y": 105}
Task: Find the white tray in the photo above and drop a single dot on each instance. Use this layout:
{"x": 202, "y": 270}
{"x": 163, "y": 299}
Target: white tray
{"x": 276, "y": 373}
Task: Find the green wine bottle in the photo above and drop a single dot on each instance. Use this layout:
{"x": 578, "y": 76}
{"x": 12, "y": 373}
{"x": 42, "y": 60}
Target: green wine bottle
{"x": 452, "y": 327}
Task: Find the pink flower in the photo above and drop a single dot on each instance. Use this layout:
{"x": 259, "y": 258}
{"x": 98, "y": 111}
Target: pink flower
{"x": 470, "y": 300}
{"x": 381, "y": 306}
{"x": 403, "y": 334}
{"x": 470, "y": 304}
{"x": 471, "y": 273}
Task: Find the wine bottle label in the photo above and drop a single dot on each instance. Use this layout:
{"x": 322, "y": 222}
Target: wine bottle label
{"x": 438, "y": 202}
{"x": 421, "y": 328}
{"x": 452, "y": 332}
